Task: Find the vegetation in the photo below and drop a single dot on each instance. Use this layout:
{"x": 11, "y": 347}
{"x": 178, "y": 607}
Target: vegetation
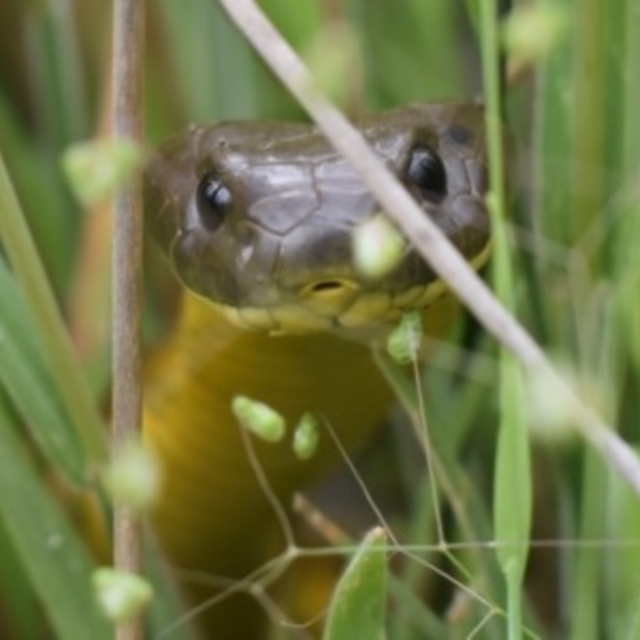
{"x": 501, "y": 538}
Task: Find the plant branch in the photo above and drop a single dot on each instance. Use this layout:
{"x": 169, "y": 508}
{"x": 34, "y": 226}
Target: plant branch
{"x": 128, "y": 56}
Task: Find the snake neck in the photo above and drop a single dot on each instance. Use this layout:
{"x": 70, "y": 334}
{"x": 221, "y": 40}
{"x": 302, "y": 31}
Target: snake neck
{"x": 213, "y": 516}
{"x": 210, "y": 491}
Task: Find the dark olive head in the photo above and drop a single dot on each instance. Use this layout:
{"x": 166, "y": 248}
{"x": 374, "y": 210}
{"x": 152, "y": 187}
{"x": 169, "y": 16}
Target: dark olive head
{"x": 259, "y": 216}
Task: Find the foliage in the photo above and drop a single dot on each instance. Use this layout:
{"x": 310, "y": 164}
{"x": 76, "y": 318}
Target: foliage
{"x": 572, "y": 277}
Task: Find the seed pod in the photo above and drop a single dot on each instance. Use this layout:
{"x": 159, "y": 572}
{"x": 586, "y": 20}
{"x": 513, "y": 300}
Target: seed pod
{"x": 120, "y": 594}
{"x": 403, "y": 343}
{"x": 259, "y": 418}
{"x": 377, "y": 247}
{"x": 97, "y": 168}
{"x": 306, "y": 437}
{"x": 133, "y": 477}
{"x": 531, "y": 32}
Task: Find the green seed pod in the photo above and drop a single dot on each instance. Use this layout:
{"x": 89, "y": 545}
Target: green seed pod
{"x": 97, "y": 168}
{"x": 377, "y": 247}
{"x": 531, "y": 32}
{"x": 333, "y": 49}
{"x": 133, "y": 477}
{"x": 403, "y": 343}
{"x": 120, "y": 594}
{"x": 306, "y": 437}
{"x": 259, "y": 418}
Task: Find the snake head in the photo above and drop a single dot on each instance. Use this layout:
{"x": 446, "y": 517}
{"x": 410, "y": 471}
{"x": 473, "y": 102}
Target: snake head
{"x": 257, "y": 218}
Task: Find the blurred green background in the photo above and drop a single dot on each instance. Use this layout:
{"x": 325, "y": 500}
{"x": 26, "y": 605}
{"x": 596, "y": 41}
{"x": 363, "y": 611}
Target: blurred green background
{"x": 574, "y": 111}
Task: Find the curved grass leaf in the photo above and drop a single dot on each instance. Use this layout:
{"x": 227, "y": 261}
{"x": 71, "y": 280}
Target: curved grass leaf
{"x": 51, "y": 553}
{"x": 21, "y": 614}
{"x": 357, "y": 607}
{"x": 622, "y": 525}
{"x": 26, "y": 379}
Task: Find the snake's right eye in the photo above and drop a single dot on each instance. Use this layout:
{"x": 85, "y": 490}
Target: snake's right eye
{"x": 426, "y": 171}
{"x": 214, "y": 200}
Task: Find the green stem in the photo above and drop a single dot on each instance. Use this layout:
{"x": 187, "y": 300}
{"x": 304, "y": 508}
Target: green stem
{"x": 513, "y": 492}
{"x": 514, "y": 604}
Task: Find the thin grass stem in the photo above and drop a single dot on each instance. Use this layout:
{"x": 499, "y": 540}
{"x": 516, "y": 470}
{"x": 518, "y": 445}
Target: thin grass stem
{"x": 128, "y": 56}
{"x": 426, "y": 236}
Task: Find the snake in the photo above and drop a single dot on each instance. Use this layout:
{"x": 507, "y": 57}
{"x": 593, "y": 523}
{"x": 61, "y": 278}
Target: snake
{"x": 257, "y": 221}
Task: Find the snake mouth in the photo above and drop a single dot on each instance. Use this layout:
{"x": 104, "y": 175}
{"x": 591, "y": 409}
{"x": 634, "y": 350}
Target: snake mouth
{"x": 352, "y": 308}
{"x": 330, "y": 288}
{"x": 328, "y": 297}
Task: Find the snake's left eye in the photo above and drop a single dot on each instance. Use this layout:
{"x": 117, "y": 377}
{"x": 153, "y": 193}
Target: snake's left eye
{"x": 214, "y": 200}
{"x": 426, "y": 171}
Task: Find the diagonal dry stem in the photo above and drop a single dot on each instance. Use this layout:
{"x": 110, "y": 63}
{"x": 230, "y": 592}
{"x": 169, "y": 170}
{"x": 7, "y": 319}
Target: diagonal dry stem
{"x": 425, "y": 235}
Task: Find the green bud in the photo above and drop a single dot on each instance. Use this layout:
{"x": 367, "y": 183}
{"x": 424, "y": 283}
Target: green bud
{"x": 121, "y": 595}
{"x": 403, "y": 343}
{"x": 532, "y": 31}
{"x": 552, "y": 412}
{"x": 378, "y": 247}
{"x": 133, "y": 477}
{"x": 334, "y": 49}
{"x": 306, "y": 436}
{"x": 97, "y": 168}
{"x": 259, "y": 418}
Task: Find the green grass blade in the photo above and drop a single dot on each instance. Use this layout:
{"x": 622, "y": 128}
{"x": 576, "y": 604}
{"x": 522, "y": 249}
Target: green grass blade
{"x": 627, "y": 283}
{"x": 51, "y": 553}
{"x": 552, "y": 139}
{"x": 590, "y": 84}
{"x": 25, "y": 377}
{"x": 512, "y": 477}
{"x": 357, "y": 608}
{"x": 622, "y": 598}
{"x": 51, "y": 213}
{"x": 221, "y": 78}
{"x": 26, "y": 264}
{"x": 58, "y": 79}
{"x": 420, "y": 622}
{"x": 402, "y": 63}
{"x": 21, "y": 614}
{"x": 167, "y": 605}
{"x": 586, "y": 613}
{"x": 299, "y": 26}
{"x": 512, "y": 490}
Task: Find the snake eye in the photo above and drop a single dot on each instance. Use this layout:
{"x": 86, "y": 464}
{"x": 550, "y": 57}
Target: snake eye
{"x": 427, "y": 172}
{"x": 213, "y": 199}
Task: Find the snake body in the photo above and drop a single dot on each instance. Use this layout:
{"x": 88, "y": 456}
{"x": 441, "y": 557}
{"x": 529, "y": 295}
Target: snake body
{"x": 256, "y": 220}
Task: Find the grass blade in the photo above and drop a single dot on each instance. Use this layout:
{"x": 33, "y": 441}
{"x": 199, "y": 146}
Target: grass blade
{"x": 51, "y": 553}
{"x": 512, "y": 477}
{"x": 25, "y": 377}
{"x": 357, "y": 607}
{"x": 21, "y": 615}
{"x": 73, "y": 385}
